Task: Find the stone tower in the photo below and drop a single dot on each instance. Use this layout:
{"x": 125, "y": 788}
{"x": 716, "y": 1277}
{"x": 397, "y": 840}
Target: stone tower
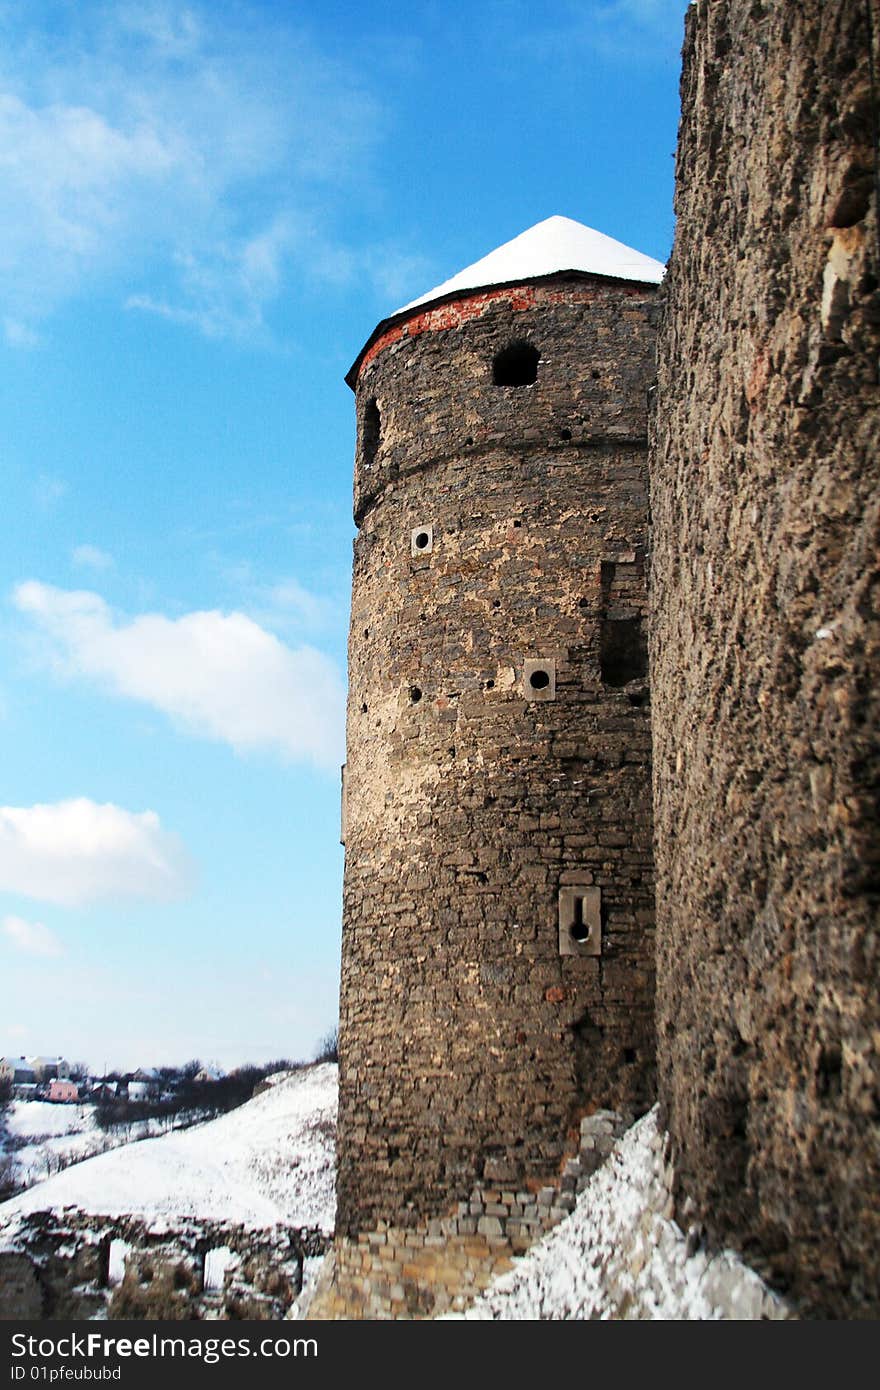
{"x": 497, "y": 961}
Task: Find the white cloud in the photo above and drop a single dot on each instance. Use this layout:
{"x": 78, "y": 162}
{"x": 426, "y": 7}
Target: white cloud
{"x": 631, "y": 31}
{"x": 75, "y": 852}
{"x": 290, "y": 600}
{"x": 33, "y": 938}
{"x": 224, "y": 291}
{"x": 218, "y": 675}
{"x": 91, "y": 557}
{"x": 175, "y": 150}
{"x": 48, "y": 491}
{"x": 19, "y": 335}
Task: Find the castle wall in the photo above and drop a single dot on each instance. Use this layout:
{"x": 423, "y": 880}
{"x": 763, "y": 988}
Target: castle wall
{"x": 765, "y": 601}
{"x": 499, "y": 525}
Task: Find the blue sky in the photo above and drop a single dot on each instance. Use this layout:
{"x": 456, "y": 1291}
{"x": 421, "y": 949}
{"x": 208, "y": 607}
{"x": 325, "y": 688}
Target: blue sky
{"x": 207, "y": 208}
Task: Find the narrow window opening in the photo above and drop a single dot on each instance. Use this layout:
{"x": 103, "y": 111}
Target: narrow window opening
{"x": 371, "y": 432}
{"x": 623, "y": 652}
{"x": 580, "y": 920}
{"x": 517, "y": 365}
{"x": 415, "y": 694}
{"x": 580, "y": 929}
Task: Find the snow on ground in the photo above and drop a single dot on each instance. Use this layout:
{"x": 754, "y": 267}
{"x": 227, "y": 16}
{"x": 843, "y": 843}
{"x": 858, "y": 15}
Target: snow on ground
{"x": 30, "y": 1119}
{"x": 270, "y": 1161}
{"x": 41, "y": 1137}
{"x": 617, "y": 1256}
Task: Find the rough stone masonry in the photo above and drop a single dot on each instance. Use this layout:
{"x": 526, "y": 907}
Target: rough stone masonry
{"x": 764, "y": 636}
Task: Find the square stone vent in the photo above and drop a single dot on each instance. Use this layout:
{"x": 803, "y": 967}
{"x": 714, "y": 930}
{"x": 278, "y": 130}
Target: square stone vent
{"x": 421, "y": 541}
{"x": 539, "y": 678}
{"x": 580, "y": 920}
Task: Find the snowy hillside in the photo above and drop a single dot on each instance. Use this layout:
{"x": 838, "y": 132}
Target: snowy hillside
{"x": 270, "y": 1161}
{"x": 40, "y": 1138}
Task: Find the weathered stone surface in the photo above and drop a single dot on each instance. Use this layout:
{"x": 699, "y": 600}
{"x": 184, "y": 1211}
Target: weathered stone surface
{"x": 21, "y": 1294}
{"x": 764, "y": 641}
{"x": 469, "y": 1045}
{"x": 440, "y": 1265}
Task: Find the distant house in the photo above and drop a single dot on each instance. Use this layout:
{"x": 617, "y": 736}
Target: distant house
{"x": 18, "y": 1070}
{"x": 60, "y": 1089}
{"x": 103, "y": 1090}
{"x": 50, "y": 1068}
{"x": 209, "y": 1074}
{"x": 141, "y": 1090}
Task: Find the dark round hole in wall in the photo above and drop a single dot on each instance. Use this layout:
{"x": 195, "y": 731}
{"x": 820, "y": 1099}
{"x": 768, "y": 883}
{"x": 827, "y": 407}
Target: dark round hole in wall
{"x": 422, "y": 540}
{"x": 469, "y": 439}
{"x": 637, "y": 697}
{"x": 517, "y": 523}
{"x": 579, "y": 932}
{"x": 583, "y": 603}
{"x": 415, "y": 694}
{"x": 366, "y": 632}
{"x": 539, "y": 680}
{"x": 595, "y": 375}
{"x": 517, "y": 365}
{"x": 490, "y": 685}
{"x": 496, "y": 603}
{"x": 363, "y": 709}
{"x": 565, "y": 434}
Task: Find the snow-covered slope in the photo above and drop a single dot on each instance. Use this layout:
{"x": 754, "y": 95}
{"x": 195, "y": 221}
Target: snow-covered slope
{"x": 619, "y": 1256}
{"x": 41, "y": 1138}
{"x": 270, "y": 1161}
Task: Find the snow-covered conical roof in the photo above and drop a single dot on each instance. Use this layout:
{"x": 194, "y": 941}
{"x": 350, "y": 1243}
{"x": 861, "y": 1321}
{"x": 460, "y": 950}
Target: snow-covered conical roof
{"x": 554, "y": 245}
{"x": 551, "y": 247}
